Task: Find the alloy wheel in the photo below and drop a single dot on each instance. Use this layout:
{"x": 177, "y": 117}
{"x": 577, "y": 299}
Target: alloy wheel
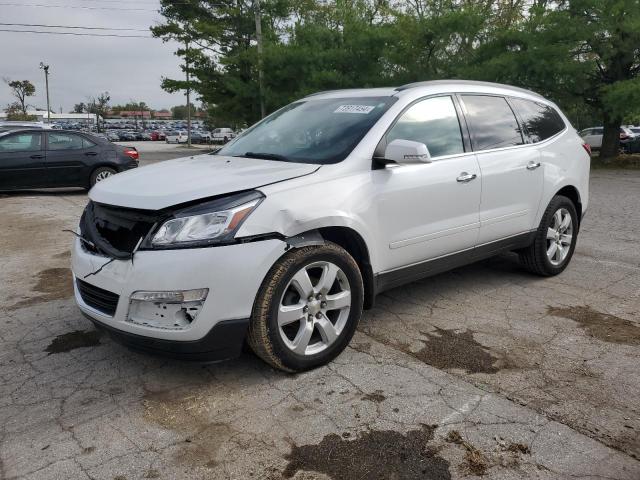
{"x": 103, "y": 175}
{"x": 559, "y": 237}
{"x": 314, "y": 308}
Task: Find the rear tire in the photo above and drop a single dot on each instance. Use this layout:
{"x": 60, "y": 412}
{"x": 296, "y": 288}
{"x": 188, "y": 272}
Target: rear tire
{"x": 99, "y": 174}
{"x": 298, "y": 325}
{"x": 555, "y": 239}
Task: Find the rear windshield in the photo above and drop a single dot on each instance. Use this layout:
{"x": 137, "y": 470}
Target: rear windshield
{"x": 311, "y": 131}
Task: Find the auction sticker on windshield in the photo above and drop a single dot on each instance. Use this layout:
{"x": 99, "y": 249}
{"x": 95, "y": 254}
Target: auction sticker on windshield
{"x": 354, "y": 109}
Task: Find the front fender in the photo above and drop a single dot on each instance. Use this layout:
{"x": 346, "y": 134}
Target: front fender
{"x": 341, "y": 202}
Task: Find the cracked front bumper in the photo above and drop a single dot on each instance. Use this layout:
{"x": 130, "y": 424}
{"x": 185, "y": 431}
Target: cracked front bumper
{"x": 233, "y": 274}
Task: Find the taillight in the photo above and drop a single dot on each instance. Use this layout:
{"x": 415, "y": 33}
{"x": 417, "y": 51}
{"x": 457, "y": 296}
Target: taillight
{"x": 587, "y": 147}
{"x": 131, "y": 153}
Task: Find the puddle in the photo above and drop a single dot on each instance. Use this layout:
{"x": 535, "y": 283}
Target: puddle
{"x": 52, "y": 284}
{"x": 373, "y": 455}
{"x": 448, "y": 349}
{"x": 602, "y": 326}
{"x": 72, "y": 340}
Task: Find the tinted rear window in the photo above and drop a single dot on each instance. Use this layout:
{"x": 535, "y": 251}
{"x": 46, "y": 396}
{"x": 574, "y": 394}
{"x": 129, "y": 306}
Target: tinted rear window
{"x": 492, "y": 122}
{"x": 540, "y": 121}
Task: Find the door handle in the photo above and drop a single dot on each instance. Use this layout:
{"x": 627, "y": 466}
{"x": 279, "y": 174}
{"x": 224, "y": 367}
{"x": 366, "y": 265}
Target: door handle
{"x": 36, "y": 156}
{"x": 533, "y": 165}
{"x": 91, "y": 154}
{"x": 466, "y": 177}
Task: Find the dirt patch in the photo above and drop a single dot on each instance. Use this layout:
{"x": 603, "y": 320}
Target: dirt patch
{"x": 188, "y": 412}
{"x": 475, "y": 461}
{"x": 448, "y": 349}
{"x": 52, "y": 284}
{"x": 602, "y": 326}
{"x": 375, "y": 397}
{"x": 519, "y": 448}
{"x": 373, "y": 455}
{"x": 72, "y": 340}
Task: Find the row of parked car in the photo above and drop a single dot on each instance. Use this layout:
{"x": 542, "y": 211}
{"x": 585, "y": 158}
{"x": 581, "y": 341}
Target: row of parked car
{"x": 218, "y": 135}
{"x": 629, "y": 138}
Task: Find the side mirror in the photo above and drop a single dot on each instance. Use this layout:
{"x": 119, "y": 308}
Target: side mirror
{"x": 407, "y": 152}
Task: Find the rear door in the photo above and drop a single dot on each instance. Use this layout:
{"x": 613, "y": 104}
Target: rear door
{"x": 595, "y": 137}
{"x": 512, "y": 177}
{"x": 22, "y": 161}
{"x": 69, "y": 158}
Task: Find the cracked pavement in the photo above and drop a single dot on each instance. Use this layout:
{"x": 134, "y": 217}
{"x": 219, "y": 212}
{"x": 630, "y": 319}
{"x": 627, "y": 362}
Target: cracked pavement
{"x": 485, "y": 370}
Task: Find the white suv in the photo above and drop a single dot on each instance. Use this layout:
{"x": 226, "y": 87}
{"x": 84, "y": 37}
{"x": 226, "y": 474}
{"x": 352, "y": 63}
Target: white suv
{"x": 177, "y": 136}
{"x": 289, "y": 231}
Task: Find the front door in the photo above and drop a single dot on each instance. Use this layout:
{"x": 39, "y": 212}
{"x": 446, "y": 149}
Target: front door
{"x": 22, "y": 161}
{"x": 430, "y": 210}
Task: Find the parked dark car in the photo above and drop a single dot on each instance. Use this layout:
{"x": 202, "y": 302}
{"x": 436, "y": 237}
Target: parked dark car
{"x": 126, "y": 136}
{"x": 35, "y": 158}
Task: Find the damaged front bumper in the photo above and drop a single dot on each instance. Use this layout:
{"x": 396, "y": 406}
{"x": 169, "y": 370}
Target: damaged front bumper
{"x": 231, "y": 276}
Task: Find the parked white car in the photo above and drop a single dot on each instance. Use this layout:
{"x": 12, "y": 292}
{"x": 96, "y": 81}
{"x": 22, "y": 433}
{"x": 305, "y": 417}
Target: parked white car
{"x": 177, "y": 136}
{"x": 593, "y": 136}
{"x": 222, "y": 135}
{"x": 287, "y": 233}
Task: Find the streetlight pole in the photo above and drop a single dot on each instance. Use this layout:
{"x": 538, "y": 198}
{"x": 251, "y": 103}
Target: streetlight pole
{"x": 46, "y": 81}
{"x": 188, "y": 97}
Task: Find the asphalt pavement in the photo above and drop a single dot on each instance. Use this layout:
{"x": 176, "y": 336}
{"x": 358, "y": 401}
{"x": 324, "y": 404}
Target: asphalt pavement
{"x": 482, "y": 371}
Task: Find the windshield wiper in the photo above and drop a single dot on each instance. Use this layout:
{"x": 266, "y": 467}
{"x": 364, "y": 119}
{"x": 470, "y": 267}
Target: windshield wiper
{"x": 266, "y": 156}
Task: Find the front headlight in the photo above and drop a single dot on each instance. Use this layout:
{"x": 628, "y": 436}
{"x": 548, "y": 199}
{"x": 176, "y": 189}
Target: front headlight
{"x": 211, "y": 222}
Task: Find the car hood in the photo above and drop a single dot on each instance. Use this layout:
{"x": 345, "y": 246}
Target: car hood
{"x": 191, "y": 178}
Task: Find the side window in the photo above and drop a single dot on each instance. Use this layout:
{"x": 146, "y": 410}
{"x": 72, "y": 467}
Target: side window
{"x": 68, "y": 141}
{"x": 597, "y": 131}
{"x": 434, "y": 122}
{"x": 492, "y": 122}
{"x": 540, "y": 121}
{"x": 21, "y": 142}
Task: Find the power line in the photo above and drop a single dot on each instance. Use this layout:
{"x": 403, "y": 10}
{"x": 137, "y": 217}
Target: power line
{"x": 76, "y": 34}
{"x": 70, "y": 26}
{"x": 76, "y": 6}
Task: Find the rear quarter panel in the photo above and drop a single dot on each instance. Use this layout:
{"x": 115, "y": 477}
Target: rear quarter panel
{"x": 566, "y": 163}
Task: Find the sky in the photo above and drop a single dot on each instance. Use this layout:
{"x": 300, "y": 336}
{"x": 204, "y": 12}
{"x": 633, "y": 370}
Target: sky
{"x": 83, "y": 66}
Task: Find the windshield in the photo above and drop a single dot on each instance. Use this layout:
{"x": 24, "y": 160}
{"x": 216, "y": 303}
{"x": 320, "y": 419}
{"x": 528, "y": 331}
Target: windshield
{"x": 311, "y": 131}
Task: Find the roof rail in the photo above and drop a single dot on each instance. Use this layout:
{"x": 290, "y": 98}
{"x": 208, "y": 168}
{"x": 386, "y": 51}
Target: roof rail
{"x": 465, "y": 82}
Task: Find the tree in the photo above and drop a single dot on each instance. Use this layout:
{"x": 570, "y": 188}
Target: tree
{"x": 179, "y": 112}
{"x": 14, "y": 112}
{"x": 79, "y": 108}
{"x": 583, "y": 54}
{"x": 99, "y": 106}
{"x": 21, "y": 89}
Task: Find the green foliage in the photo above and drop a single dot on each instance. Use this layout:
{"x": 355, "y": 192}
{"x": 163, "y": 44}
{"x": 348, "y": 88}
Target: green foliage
{"x": 581, "y": 53}
{"x": 179, "y": 112}
{"x": 14, "y": 112}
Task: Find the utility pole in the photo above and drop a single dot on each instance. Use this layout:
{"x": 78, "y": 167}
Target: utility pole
{"x": 256, "y": 6}
{"x": 188, "y": 97}
{"x": 46, "y": 81}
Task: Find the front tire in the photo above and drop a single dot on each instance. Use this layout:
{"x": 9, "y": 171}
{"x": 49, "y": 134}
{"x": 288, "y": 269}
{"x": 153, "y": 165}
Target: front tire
{"x": 555, "y": 239}
{"x": 307, "y": 309}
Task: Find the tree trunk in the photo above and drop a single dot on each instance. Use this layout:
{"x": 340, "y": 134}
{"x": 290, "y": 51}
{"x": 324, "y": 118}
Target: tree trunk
{"x": 610, "y": 137}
